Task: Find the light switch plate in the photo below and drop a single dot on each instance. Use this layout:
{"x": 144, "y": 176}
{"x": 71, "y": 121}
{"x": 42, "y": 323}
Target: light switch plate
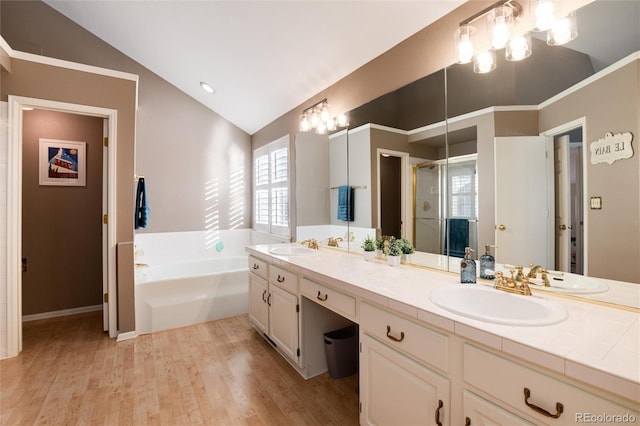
{"x": 595, "y": 203}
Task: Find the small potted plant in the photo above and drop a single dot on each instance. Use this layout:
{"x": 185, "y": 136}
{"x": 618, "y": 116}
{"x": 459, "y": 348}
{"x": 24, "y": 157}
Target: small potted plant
{"x": 380, "y": 246}
{"x": 407, "y": 250}
{"x": 393, "y": 250}
{"x": 369, "y": 246}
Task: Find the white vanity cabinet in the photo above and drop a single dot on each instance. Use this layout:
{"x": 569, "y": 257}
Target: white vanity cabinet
{"x": 274, "y": 305}
{"x": 396, "y": 388}
{"x": 513, "y": 388}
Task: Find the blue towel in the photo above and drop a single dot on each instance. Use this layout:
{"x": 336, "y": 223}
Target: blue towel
{"x": 141, "y": 219}
{"x": 345, "y": 203}
{"x": 458, "y": 235}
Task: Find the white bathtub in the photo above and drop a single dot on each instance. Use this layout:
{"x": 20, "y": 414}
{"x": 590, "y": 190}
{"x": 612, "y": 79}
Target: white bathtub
{"x": 189, "y": 292}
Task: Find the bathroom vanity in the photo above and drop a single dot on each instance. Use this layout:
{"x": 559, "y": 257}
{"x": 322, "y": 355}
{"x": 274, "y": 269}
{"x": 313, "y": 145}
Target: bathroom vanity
{"x": 422, "y": 364}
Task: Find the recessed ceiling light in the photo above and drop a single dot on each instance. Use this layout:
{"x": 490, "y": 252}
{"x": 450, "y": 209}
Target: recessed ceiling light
{"x": 27, "y": 108}
{"x": 206, "y": 87}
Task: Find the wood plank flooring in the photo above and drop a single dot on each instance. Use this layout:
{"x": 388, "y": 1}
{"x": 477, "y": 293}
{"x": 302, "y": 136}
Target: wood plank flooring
{"x": 216, "y": 373}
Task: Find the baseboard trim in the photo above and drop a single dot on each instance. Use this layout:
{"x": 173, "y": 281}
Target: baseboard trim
{"x": 61, "y": 313}
{"x": 126, "y": 336}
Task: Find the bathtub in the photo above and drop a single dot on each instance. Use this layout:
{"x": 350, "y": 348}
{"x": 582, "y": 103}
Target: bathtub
{"x": 190, "y": 292}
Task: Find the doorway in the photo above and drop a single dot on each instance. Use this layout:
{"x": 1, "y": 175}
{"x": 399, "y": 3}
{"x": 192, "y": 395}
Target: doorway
{"x": 390, "y": 195}
{"x": 17, "y": 106}
{"x": 61, "y": 213}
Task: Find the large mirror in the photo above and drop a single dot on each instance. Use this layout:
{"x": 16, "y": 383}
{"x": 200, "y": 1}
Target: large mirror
{"x": 447, "y": 167}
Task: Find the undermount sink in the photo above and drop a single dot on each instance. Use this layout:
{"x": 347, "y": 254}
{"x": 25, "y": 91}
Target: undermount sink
{"x": 291, "y": 250}
{"x": 495, "y": 306}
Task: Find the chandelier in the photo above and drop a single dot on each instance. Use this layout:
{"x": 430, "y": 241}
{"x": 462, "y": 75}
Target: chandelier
{"x": 317, "y": 118}
{"x": 501, "y": 19}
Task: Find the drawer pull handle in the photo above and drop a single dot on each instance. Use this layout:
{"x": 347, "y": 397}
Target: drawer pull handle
{"x": 440, "y": 404}
{"x": 264, "y": 296}
{"x": 395, "y": 339}
{"x": 280, "y": 279}
{"x": 256, "y": 266}
{"x": 319, "y": 297}
{"x": 559, "y": 406}
{"x": 467, "y": 421}
{"x": 269, "y": 299}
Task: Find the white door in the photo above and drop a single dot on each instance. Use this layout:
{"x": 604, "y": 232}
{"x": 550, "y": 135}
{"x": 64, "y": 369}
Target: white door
{"x": 563, "y": 224}
{"x": 523, "y": 201}
{"x": 396, "y": 390}
{"x": 105, "y": 227}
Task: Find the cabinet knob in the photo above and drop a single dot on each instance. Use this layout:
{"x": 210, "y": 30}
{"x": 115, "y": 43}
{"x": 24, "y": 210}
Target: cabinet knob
{"x": 501, "y": 227}
{"x": 539, "y": 410}
{"x": 256, "y": 266}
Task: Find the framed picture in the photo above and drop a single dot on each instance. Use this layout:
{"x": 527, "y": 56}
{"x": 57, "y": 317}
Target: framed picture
{"x": 62, "y": 163}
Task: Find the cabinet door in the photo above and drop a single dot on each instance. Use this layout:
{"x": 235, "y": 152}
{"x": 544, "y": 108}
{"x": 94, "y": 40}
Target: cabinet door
{"x": 283, "y": 321}
{"x": 480, "y": 412}
{"x": 396, "y": 390}
{"x": 258, "y": 307}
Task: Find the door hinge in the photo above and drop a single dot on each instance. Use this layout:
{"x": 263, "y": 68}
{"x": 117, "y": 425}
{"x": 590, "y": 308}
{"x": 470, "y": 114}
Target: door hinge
{"x": 105, "y": 298}
{"x": 105, "y": 141}
{"x": 298, "y": 307}
{"x": 105, "y": 219}
{"x": 298, "y": 352}
{"x": 360, "y": 347}
{"x": 360, "y": 406}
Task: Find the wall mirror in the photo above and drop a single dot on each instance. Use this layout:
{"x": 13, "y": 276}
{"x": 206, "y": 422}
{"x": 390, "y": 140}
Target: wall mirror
{"x": 559, "y": 97}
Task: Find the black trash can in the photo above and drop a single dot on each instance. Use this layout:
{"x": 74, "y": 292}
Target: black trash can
{"x": 341, "y": 347}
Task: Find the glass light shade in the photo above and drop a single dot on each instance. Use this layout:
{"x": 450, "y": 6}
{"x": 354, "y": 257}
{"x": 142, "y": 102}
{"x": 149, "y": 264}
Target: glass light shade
{"x": 500, "y": 19}
{"x": 305, "y": 126}
{"x": 315, "y": 119}
{"x": 331, "y": 124}
{"x": 518, "y": 48}
{"x": 464, "y": 43}
{"x": 343, "y": 120}
{"x": 563, "y": 31}
{"x": 545, "y": 11}
{"x": 324, "y": 112}
{"x": 484, "y": 62}
{"x": 321, "y": 129}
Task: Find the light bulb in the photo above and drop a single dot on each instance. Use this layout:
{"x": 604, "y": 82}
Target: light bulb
{"x": 343, "y": 120}
{"x": 324, "y": 112}
{"x": 500, "y": 33}
{"x": 544, "y": 15}
{"x": 315, "y": 120}
{"x": 331, "y": 124}
{"x": 484, "y": 62}
{"x": 518, "y": 49}
{"x": 464, "y": 43}
{"x": 304, "y": 123}
{"x": 563, "y": 31}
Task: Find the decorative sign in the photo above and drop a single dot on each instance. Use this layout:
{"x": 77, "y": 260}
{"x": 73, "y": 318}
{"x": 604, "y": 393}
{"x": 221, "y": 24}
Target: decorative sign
{"x": 612, "y": 148}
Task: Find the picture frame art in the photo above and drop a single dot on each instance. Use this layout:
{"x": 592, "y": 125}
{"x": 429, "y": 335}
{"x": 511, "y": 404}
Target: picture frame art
{"x": 62, "y": 163}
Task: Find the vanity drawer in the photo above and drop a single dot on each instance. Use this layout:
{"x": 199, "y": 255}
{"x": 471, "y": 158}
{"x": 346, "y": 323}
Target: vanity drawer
{"x": 506, "y": 381}
{"x": 337, "y": 301}
{"x": 284, "y": 279}
{"x": 258, "y": 267}
{"x": 422, "y": 342}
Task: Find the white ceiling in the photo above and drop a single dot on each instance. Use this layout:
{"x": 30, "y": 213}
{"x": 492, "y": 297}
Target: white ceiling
{"x": 263, "y": 58}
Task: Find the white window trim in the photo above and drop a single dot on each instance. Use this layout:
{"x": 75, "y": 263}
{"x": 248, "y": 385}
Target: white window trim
{"x": 267, "y": 150}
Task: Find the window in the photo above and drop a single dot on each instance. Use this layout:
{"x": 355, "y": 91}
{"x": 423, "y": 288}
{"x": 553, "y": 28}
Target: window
{"x": 271, "y": 187}
{"x": 464, "y": 190}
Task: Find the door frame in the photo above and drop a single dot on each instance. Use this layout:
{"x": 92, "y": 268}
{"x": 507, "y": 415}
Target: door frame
{"x": 405, "y": 189}
{"x": 550, "y": 134}
{"x": 14, "y": 210}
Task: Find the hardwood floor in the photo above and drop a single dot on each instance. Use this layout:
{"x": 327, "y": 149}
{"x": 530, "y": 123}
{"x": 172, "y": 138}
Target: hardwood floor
{"x": 218, "y": 373}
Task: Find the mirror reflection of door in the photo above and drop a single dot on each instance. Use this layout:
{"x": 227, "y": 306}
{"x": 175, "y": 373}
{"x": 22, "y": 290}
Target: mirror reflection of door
{"x": 522, "y": 202}
{"x": 568, "y": 201}
{"x": 391, "y": 195}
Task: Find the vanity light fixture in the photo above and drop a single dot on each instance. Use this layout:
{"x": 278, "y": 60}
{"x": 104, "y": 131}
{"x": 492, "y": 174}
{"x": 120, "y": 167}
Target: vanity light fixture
{"x": 317, "y": 118}
{"x": 501, "y": 17}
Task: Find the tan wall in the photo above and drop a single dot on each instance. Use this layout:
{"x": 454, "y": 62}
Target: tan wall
{"x": 611, "y": 104}
{"x": 61, "y": 225}
{"x": 33, "y": 80}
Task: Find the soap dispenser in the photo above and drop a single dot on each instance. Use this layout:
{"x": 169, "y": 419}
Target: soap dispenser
{"x": 468, "y": 267}
{"x": 487, "y": 263}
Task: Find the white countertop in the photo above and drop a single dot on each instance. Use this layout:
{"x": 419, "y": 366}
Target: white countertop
{"x": 596, "y": 344}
